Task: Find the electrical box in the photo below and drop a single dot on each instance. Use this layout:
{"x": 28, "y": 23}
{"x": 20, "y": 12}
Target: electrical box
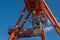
{"x": 36, "y": 23}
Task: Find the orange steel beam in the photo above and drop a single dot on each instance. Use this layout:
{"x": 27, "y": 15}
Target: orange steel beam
{"x": 51, "y": 17}
{"x": 42, "y": 34}
{"x": 21, "y": 16}
{"x": 12, "y": 35}
{"x": 21, "y": 27}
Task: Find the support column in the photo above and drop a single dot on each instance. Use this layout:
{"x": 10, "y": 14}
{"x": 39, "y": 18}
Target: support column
{"x": 42, "y": 34}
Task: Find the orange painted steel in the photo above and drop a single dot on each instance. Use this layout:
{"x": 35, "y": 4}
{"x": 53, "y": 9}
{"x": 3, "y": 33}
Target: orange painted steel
{"x": 51, "y": 17}
{"x": 36, "y": 7}
{"x": 13, "y": 33}
{"x": 21, "y": 27}
{"x": 43, "y": 34}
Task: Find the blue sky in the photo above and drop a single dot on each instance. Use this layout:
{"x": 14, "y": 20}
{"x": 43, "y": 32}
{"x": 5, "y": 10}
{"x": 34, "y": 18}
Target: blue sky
{"x": 10, "y": 11}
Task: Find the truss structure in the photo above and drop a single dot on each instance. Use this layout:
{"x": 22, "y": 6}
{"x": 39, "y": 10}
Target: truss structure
{"x": 34, "y": 7}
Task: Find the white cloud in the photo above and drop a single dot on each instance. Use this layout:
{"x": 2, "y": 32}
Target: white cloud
{"x": 49, "y": 21}
{"x": 47, "y": 29}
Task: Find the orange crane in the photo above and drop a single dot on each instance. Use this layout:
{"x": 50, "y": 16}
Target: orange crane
{"x": 36, "y": 8}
